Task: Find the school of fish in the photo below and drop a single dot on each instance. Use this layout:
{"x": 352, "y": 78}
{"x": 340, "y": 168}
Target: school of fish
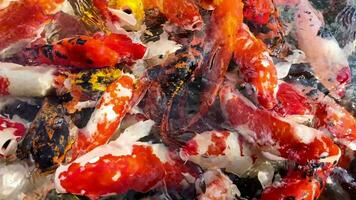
{"x": 177, "y": 99}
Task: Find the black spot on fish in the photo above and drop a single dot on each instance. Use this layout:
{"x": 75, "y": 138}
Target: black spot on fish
{"x": 47, "y": 51}
{"x": 265, "y": 29}
{"x": 34, "y": 52}
{"x": 60, "y": 55}
{"x": 81, "y": 42}
{"x": 89, "y": 61}
{"x": 65, "y": 98}
{"x": 85, "y": 78}
{"x": 290, "y": 198}
{"x": 232, "y": 65}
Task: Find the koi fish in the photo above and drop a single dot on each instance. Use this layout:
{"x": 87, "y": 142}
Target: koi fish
{"x": 326, "y": 114}
{"x": 256, "y": 66}
{"x": 122, "y": 165}
{"x": 219, "y": 149}
{"x": 107, "y": 116}
{"x": 329, "y": 62}
{"x": 275, "y": 136}
{"x": 87, "y": 52}
{"x": 262, "y": 17}
{"x": 298, "y": 186}
{"x": 48, "y": 138}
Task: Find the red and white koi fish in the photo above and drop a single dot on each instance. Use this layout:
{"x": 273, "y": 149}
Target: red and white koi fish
{"x": 123, "y": 165}
{"x": 110, "y": 110}
{"x": 256, "y": 66}
{"x": 219, "y": 149}
{"x": 278, "y": 138}
{"x": 337, "y": 121}
{"x": 298, "y": 185}
{"x": 323, "y": 111}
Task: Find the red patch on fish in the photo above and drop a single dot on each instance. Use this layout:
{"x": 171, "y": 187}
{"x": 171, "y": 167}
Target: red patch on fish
{"x": 291, "y": 101}
{"x": 140, "y": 171}
{"x": 7, "y": 123}
{"x": 219, "y": 143}
{"x": 191, "y": 148}
{"x": 270, "y": 131}
{"x": 111, "y": 100}
{"x": 175, "y": 169}
{"x": 4, "y": 86}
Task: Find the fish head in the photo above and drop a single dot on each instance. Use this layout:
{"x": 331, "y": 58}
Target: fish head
{"x": 130, "y": 13}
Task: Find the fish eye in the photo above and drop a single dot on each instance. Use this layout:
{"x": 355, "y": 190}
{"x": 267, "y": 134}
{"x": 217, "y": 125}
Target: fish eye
{"x": 127, "y": 10}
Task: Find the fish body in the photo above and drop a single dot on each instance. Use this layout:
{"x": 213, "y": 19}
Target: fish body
{"x": 298, "y": 186}
{"x": 110, "y": 110}
{"x": 275, "y": 135}
{"x": 263, "y": 19}
{"x": 87, "y": 51}
{"x": 256, "y": 67}
{"x": 122, "y": 165}
{"x": 25, "y": 81}
{"x": 48, "y": 138}
{"x": 328, "y": 60}
{"x": 219, "y": 149}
